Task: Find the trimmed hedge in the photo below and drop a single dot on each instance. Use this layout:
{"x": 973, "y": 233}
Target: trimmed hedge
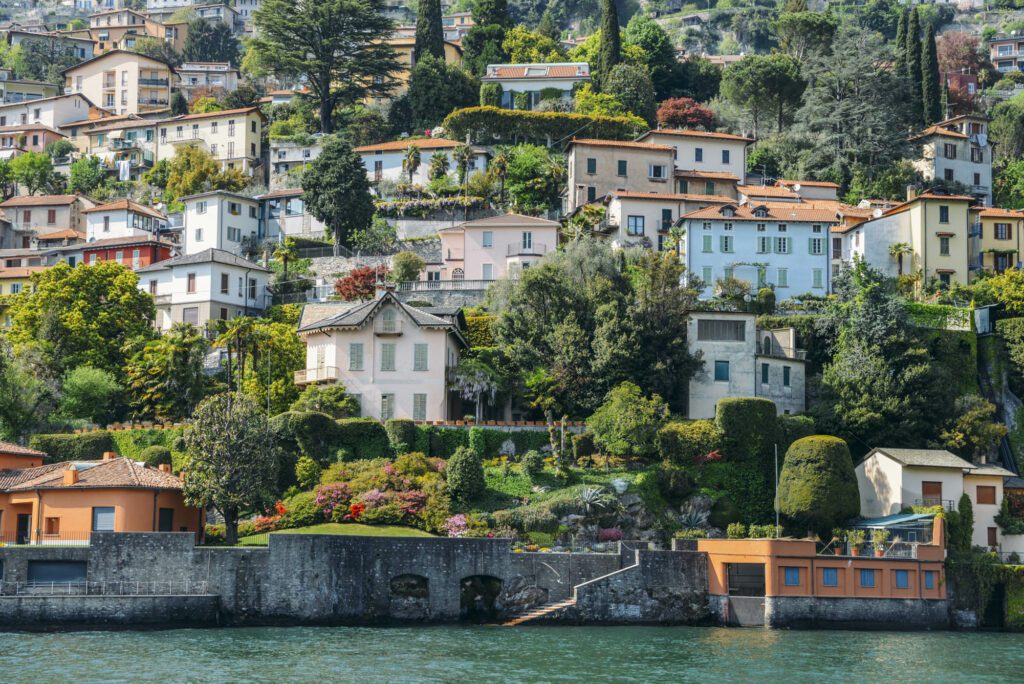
{"x": 684, "y": 442}
{"x": 442, "y": 442}
{"x": 156, "y": 456}
{"x": 818, "y": 486}
{"x": 491, "y": 123}
{"x": 490, "y": 94}
{"x": 310, "y": 434}
{"x": 363, "y": 438}
{"x": 749, "y": 426}
{"x": 85, "y": 446}
{"x": 479, "y": 330}
{"x": 402, "y": 435}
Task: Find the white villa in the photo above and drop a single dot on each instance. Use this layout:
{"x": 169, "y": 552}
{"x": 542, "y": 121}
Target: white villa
{"x": 385, "y": 160}
{"x": 490, "y": 248}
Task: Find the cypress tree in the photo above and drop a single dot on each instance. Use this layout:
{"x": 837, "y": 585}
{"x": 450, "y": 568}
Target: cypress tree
{"x": 429, "y": 33}
{"x": 913, "y": 38}
{"x": 930, "y": 91}
{"x": 900, "y": 61}
{"x": 610, "y": 52}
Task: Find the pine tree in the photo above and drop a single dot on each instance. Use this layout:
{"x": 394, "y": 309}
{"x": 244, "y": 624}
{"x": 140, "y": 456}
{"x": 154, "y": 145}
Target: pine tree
{"x": 610, "y": 51}
{"x": 913, "y": 38}
{"x": 487, "y": 12}
{"x": 901, "y": 44}
{"x": 429, "y": 33}
{"x": 931, "y": 106}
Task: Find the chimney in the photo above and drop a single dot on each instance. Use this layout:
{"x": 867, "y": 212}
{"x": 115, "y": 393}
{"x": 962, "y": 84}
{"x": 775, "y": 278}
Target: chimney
{"x": 911, "y": 192}
{"x": 70, "y": 476}
{"x": 109, "y": 455}
{"x": 165, "y": 467}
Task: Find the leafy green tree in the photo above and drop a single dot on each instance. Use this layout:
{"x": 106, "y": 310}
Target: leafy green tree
{"x": 476, "y": 379}
{"x": 193, "y": 170}
{"x": 42, "y": 58}
{"x": 764, "y": 86}
{"x": 627, "y": 423}
{"x": 156, "y": 456}
{"x": 179, "y": 105}
{"x": 337, "y": 190}
{"x": 465, "y": 476}
{"x": 335, "y": 44}
{"x": 332, "y": 400}
{"x": 523, "y": 46}
{"x": 407, "y": 266}
{"x": 931, "y": 104}
{"x": 206, "y": 105}
{"x": 27, "y": 400}
{"x": 165, "y": 377}
{"x": 592, "y": 103}
{"x": 803, "y": 33}
{"x": 429, "y": 32}
{"x": 245, "y": 95}
{"x": 534, "y": 178}
{"x": 379, "y": 238}
{"x": 81, "y": 316}
{"x": 232, "y": 462}
{"x": 817, "y": 485}
{"x": 631, "y": 86}
{"x": 90, "y": 394}
{"x": 160, "y": 49}
{"x": 659, "y": 53}
{"x": 491, "y": 12}
{"x": 33, "y": 171}
{"x": 610, "y": 52}
{"x": 436, "y": 89}
{"x": 699, "y": 79}
{"x": 210, "y": 42}
{"x": 86, "y": 174}
{"x": 60, "y": 148}
{"x": 482, "y": 45}
{"x": 914, "y": 67}
{"x": 975, "y": 433}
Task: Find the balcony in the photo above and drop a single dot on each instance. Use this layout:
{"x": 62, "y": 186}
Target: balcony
{"x": 427, "y": 285}
{"x": 930, "y": 501}
{"x": 387, "y": 327}
{"x": 152, "y": 101}
{"x": 607, "y": 226}
{"x": 535, "y": 249}
{"x": 312, "y": 376}
{"x": 159, "y": 82}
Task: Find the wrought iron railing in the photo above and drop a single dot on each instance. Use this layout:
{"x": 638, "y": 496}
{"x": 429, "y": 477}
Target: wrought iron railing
{"x": 311, "y": 375}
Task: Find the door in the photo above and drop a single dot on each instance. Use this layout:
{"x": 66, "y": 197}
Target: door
{"x": 931, "y": 493}
{"x": 24, "y": 528}
{"x": 166, "y": 520}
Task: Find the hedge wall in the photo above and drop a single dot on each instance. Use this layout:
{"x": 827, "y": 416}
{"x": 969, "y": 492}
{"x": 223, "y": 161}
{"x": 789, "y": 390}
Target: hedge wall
{"x": 86, "y": 446}
{"x": 363, "y": 438}
{"x": 749, "y": 427}
{"x": 443, "y": 441}
{"x": 479, "y": 330}
{"x": 489, "y": 124}
{"x": 1014, "y": 579}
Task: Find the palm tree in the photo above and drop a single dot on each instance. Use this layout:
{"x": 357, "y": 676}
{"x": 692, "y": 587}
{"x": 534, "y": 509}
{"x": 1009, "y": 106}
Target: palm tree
{"x": 238, "y": 338}
{"x": 499, "y": 164}
{"x": 285, "y": 252}
{"x": 462, "y": 154}
{"x": 439, "y": 165}
{"x": 411, "y": 162}
{"x": 897, "y": 250}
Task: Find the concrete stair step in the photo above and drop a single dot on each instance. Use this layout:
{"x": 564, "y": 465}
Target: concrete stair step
{"x": 540, "y": 611}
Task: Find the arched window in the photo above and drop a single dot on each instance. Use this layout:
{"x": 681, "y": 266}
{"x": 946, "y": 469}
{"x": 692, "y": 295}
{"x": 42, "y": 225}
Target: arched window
{"x": 766, "y": 348}
{"x": 458, "y": 274}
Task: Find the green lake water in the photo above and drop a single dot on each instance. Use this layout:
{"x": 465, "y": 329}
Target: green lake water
{"x": 523, "y": 654}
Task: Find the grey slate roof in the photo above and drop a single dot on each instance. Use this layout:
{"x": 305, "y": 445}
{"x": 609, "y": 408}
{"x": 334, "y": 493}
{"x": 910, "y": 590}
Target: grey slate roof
{"x": 218, "y": 256}
{"x": 991, "y": 469}
{"x": 927, "y": 458}
{"x": 358, "y": 315}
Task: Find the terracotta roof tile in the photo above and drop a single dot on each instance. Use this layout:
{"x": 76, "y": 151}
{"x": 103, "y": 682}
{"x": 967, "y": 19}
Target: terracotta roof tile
{"x": 126, "y": 204}
{"x": 20, "y": 272}
{"x": 674, "y": 197}
{"x": 938, "y": 130}
{"x": 714, "y": 175}
{"x": 117, "y": 472}
{"x": 11, "y": 449}
{"x": 423, "y": 144}
{"x": 776, "y": 212}
{"x": 61, "y": 235}
{"x": 766, "y": 191}
{"x": 996, "y": 212}
{"x": 621, "y": 143}
{"x": 807, "y": 183}
{"x": 39, "y": 200}
{"x": 696, "y": 134}
{"x": 211, "y": 115}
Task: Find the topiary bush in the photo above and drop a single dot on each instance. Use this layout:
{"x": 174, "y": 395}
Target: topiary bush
{"x": 155, "y": 456}
{"x": 533, "y": 463}
{"x": 307, "y": 472}
{"x": 479, "y": 330}
{"x": 465, "y": 476}
{"x": 794, "y": 428}
{"x": 402, "y": 434}
{"x": 686, "y": 443}
{"x": 363, "y": 438}
{"x": 478, "y": 442}
{"x": 818, "y": 486}
{"x": 749, "y": 427}
{"x": 86, "y": 446}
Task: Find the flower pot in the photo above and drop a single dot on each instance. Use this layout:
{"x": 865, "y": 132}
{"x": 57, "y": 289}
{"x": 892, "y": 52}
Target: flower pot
{"x": 879, "y": 553}
{"x": 854, "y": 551}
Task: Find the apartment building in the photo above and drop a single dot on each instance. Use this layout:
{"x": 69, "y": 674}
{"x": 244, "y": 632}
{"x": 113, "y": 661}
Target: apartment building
{"x": 123, "y": 218}
{"x": 286, "y": 155}
{"x": 1007, "y": 53}
{"x": 811, "y": 190}
{"x": 386, "y": 161}
{"x": 199, "y": 79}
{"x": 219, "y": 220}
{"x": 718, "y": 183}
{"x": 119, "y": 29}
{"x": 209, "y": 285}
{"x": 492, "y": 248}
{"x": 927, "y": 235}
{"x": 13, "y": 90}
{"x": 232, "y": 137}
{"x": 704, "y": 151}
{"x": 40, "y": 214}
{"x": 767, "y": 245}
{"x": 456, "y": 25}
{"x": 79, "y": 47}
{"x": 123, "y": 82}
{"x": 283, "y": 212}
{"x": 135, "y": 252}
{"x": 742, "y": 360}
{"x": 127, "y": 147}
{"x": 393, "y": 358}
{"x": 598, "y": 167}
{"x": 644, "y": 219}
{"x": 958, "y": 152}
{"x": 1000, "y": 242}
{"x": 54, "y": 112}
{"x": 15, "y": 140}
{"x": 523, "y": 86}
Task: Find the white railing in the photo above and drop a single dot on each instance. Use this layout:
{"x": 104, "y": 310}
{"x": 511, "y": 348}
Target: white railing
{"x": 115, "y": 588}
{"x": 311, "y": 375}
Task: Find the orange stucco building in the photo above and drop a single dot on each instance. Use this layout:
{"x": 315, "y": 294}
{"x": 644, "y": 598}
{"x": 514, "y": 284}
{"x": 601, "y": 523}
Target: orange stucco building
{"x": 65, "y": 502}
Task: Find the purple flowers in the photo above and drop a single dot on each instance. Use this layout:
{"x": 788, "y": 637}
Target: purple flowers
{"x": 332, "y": 496}
{"x": 457, "y": 525}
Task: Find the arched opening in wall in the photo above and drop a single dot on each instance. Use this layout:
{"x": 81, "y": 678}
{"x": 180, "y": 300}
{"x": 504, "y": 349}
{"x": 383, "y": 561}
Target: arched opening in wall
{"x": 478, "y": 598}
{"x": 409, "y": 597}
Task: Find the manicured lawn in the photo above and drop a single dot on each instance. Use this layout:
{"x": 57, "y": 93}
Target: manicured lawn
{"x": 353, "y": 529}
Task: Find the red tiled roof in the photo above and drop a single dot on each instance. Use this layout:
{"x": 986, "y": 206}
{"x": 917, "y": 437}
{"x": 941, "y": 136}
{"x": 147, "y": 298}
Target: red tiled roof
{"x": 423, "y": 144}
{"x": 39, "y": 200}
{"x": 776, "y": 212}
{"x": 766, "y": 191}
{"x": 61, "y": 235}
{"x": 283, "y": 192}
{"x": 674, "y": 197}
{"x": 697, "y": 134}
{"x": 560, "y": 71}
{"x": 621, "y": 143}
{"x": 117, "y": 472}
{"x": 996, "y": 212}
{"x": 20, "y": 272}
{"x": 126, "y": 204}
{"x": 11, "y": 449}
{"x": 807, "y": 183}
{"x": 713, "y": 175}
{"x": 938, "y": 130}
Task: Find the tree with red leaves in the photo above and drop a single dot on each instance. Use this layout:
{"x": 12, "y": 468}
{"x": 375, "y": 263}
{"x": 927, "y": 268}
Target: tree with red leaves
{"x": 360, "y": 283}
{"x": 685, "y": 112}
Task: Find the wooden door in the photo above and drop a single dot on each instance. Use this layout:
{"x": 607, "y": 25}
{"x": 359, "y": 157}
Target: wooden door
{"x": 931, "y": 492}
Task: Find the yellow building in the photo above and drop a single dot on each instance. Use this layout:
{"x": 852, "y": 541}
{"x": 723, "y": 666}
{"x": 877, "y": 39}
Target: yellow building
{"x": 12, "y": 282}
{"x": 122, "y": 28}
{"x": 404, "y": 47}
{"x": 122, "y": 82}
{"x": 999, "y": 238}
{"x": 231, "y": 136}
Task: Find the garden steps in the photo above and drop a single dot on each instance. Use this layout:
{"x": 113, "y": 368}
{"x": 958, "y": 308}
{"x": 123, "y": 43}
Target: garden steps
{"x": 539, "y": 612}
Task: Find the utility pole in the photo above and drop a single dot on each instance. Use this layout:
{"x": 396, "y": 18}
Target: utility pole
{"x": 776, "y": 491}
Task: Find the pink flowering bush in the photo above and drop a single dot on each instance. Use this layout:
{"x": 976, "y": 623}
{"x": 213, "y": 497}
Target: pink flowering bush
{"x": 457, "y": 525}
{"x": 374, "y": 498}
{"x": 609, "y": 534}
{"x": 332, "y": 496}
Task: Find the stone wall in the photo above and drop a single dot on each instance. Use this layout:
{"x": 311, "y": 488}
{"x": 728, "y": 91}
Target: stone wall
{"x": 35, "y": 612}
{"x": 850, "y": 613}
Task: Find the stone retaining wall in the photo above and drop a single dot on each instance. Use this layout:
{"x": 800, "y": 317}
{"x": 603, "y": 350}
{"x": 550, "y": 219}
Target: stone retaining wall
{"x": 852, "y": 613}
{"x": 38, "y": 612}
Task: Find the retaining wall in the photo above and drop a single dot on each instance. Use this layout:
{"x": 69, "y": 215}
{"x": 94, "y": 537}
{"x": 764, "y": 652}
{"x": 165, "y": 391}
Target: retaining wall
{"x": 855, "y": 613}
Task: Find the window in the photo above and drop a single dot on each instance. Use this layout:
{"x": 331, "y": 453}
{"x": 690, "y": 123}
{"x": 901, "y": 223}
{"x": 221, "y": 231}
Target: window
{"x": 591, "y": 165}
{"x": 726, "y": 243}
{"x": 993, "y": 537}
{"x": 977, "y": 179}
{"x": 698, "y": 154}
{"x": 419, "y": 407}
{"x": 387, "y": 356}
{"x": 231, "y": 128}
{"x": 816, "y": 228}
{"x": 190, "y": 286}
{"x": 103, "y": 519}
{"x": 234, "y": 208}
{"x": 119, "y": 256}
{"x": 902, "y": 579}
{"x": 488, "y": 238}
{"x": 867, "y": 578}
{"x": 725, "y": 156}
{"x": 223, "y": 313}
{"x": 355, "y": 356}
{"x": 419, "y": 361}
{"x": 234, "y": 234}
{"x": 783, "y": 277}
{"x": 727, "y": 226}
{"x": 666, "y": 219}
{"x": 721, "y": 371}
{"x": 944, "y": 279}
{"x": 782, "y": 227}
{"x": 782, "y": 245}
{"x": 1003, "y": 231}
{"x": 15, "y": 288}
{"x": 817, "y": 276}
{"x": 949, "y": 150}
{"x": 944, "y": 246}
{"x": 710, "y": 330}
{"x": 252, "y": 288}
{"x": 26, "y": 215}
{"x": 947, "y": 175}
{"x": 166, "y": 520}
{"x": 837, "y": 247}
{"x": 51, "y": 527}
{"x": 944, "y": 214}
{"x": 487, "y": 271}
{"x": 761, "y": 228}
{"x": 591, "y": 193}
{"x": 986, "y": 494}
{"x": 764, "y": 373}
{"x": 816, "y": 246}
{"x": 51, "y": 216}
{"x": 830, "y": 577}
{"x": 786, "y": 376}
{"x": 705, "y": 275}
{"x": 684, "y": 186}
{"x": 201, "y": 207}
{"x": 792, "y": 577}
{"x": 387, "y": 406}
{"x": 199, "y": 234}
{"x": 622, "y": 166}
{"x": 706, "y": 225}
{"x": 977, "y": 156}
{"x": 635, "y": 225}
{"x": 706, "y": 243}
{"x": 527, "y": 239}
{"x": 213, "y": 127}
{"x": 656, "y": 171}
{"x": 764, "y": 245}
{"x": 152, "y": 287}
{"x": 224, "y": 286}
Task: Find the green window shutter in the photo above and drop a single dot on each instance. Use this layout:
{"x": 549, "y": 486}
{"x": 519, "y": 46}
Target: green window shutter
{"x": 707, "y": 243}
{"x": 387, "y": 356}
{"x": 419, "y": 407}
{"x": 817, "y": 278}
{"x": 355, "y": 356}
{"x": 420, "y": 357}
{"x": 810, "y": 245}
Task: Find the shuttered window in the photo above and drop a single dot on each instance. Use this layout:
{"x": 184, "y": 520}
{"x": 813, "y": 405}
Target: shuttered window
{"x": 103, "y": 519}
{"x": 355, "y": 356}
{"x": 387, "y": 406}
{"x": 723, "y": 331}
{"x": 419, "y": 407}
{"x": 387, "y": 356}
{"x": 419, "y": 361}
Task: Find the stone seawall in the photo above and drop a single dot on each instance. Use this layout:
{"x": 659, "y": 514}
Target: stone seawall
{"x": 39, "y": 612}
{"x": 806, "y": 612}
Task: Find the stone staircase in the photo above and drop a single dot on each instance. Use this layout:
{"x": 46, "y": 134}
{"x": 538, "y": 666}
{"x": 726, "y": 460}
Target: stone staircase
{"x": 538, "y": 612}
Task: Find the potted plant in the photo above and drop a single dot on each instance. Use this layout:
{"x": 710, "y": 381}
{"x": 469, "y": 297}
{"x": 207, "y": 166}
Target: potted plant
{"x": 878, "y": 539}
{"x": 838, "y": 534}
{"x": 856, "y": 539}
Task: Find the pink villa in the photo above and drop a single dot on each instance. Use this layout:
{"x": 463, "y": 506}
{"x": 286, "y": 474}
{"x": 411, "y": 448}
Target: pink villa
{"x": 492, "y": 248}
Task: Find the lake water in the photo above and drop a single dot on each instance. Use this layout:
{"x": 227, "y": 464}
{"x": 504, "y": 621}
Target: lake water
{"x": 522, "y": 654}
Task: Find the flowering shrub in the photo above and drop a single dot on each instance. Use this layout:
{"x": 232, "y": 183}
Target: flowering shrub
{"x": 373, "y": 498}
{"x": 609, "y": 534}
{"x": 423, "y": 208}
{"x": 332, "y": 496}
{"x": 412, "y": 502}
{"x": 457, "y": 525}
{"x": 279, "y": 507}
{"x": 265, "y": 523}
{"x": 355, "y": 510}
{"x": 710, "y": 457}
